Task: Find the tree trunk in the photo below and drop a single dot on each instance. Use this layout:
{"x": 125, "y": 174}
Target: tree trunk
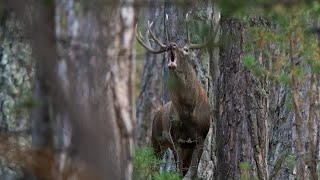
{"x": 16, "y": 75}
{"x": 95, "y": 74}
{"x": 242, "y": 117}
{"x": 149, "y": 99}
{"x": 84, "y": 72}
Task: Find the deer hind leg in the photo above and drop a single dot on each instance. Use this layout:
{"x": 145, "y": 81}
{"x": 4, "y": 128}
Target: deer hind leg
{"x": 185, "y": 155}
{"x": 160, "y": 147}
{"x": 157, "y": 149}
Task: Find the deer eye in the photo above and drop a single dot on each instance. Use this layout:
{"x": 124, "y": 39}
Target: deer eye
{"x": 186, "y": 49}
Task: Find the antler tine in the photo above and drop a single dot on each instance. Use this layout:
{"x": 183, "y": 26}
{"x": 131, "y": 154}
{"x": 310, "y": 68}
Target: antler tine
{"x": 191, "y": 45}
{"x": 154, "y": 37}
{"x": 148, "y": 46}
{"x": 211, "y": 43}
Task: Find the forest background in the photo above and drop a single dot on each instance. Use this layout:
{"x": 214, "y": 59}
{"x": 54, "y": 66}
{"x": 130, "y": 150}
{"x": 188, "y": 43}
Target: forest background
{"x": 78, "y": 93}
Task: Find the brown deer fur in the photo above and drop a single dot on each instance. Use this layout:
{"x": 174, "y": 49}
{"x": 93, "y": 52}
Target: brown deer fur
{"x": 183, "y": 123}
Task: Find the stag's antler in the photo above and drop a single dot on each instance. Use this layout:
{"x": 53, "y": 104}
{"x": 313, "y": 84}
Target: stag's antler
{"x": 206, "y": 43}
{"x": 147, "y": 44}
{"x": 194, "y": 46}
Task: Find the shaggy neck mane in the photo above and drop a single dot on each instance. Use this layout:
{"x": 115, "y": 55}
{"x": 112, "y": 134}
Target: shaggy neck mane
{"x": 189, "y": 94}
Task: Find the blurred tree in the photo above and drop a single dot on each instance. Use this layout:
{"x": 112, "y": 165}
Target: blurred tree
{"x": 84, "y": 74}
{"x": 94, "y": 71}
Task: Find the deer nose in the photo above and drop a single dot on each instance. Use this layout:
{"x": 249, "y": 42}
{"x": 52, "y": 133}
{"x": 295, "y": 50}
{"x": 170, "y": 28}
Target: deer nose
{"x": 173, "y": 46}
{"x": 172, "y": 65}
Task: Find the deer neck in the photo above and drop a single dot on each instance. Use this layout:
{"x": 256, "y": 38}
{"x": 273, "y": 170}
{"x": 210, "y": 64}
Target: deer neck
{"x": 184, "y": 90}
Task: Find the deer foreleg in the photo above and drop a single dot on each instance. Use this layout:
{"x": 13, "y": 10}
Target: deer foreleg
{"x": 196, "y": 155}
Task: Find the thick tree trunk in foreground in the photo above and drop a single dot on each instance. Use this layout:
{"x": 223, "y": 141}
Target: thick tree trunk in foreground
{"x": 241, "y": 122}
{"x": 95, "y": 73}
{"x": 84, "y": 71}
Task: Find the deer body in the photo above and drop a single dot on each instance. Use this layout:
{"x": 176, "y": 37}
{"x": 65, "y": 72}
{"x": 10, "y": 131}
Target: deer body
{"x": 183, "y": 123}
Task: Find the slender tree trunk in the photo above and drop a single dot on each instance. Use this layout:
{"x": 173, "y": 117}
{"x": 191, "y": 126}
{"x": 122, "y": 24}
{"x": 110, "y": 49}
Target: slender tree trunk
{"x": 150, "y": 95}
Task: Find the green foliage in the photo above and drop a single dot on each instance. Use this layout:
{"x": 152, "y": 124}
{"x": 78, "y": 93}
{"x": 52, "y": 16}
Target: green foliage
{"x": 316, "y": 67}
{"x": 248, "y": 61}
{"x": 145, "y": 166}
{"x": 46, "y": 2}
{"x": 252, "y": 65}
{"x": 200, "y": 31}
{"x": 144, "y": 163}
{"x": 290, "y": 161}
{"x": 229, "y": 7}
{"x": 284, "y": 79}
{"x": 167, "y": 176}
{"x": 244, "y": 168}
{"x": 286, "y": 49}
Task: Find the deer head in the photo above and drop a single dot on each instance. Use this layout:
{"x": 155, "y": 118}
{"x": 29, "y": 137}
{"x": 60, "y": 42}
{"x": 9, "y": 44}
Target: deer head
{"x": 176, "y": 54}
{"x": 179, "y": 58}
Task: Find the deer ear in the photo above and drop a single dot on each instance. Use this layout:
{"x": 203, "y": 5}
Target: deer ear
{"x": 186, "y": 50}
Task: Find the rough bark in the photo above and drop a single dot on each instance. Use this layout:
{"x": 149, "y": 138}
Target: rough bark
{"x": 241, "y": 122}
{"x": 230, "y": 123}
{"x": 16, "y": 75}
{"x": 150, "y": 95}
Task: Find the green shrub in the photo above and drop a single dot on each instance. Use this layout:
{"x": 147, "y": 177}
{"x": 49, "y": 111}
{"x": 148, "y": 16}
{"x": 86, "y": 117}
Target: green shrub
{"x": 167, "y": 176}
{"x": 144, "y": 163}
{"x": 146, "y": 166}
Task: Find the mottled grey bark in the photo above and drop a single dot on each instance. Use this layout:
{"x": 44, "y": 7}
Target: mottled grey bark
{"x": 16, "y": 75}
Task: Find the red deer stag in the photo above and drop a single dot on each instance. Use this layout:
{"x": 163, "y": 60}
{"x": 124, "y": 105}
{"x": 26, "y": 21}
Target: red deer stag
{"x": 183, "y": 123}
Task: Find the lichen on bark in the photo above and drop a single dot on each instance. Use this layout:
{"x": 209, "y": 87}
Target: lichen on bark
{"x": 16, "y": 74}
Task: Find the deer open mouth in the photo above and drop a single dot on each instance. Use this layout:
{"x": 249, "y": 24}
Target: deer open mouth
{"x": 172, "y": 63}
